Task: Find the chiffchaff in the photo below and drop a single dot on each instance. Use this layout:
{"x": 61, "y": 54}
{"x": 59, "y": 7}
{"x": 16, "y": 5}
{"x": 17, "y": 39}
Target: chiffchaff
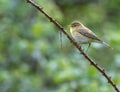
{"x": 83, "y": 35}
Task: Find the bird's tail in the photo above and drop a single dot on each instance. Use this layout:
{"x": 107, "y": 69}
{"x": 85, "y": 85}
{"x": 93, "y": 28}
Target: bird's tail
{"x": 107, "y": 45}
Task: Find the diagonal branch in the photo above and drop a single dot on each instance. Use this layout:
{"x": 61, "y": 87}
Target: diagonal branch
{"x": 101, "y": 70}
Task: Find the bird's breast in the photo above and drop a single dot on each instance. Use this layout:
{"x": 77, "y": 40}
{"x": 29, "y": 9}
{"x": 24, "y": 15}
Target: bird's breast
{"x": 79, "y": 37}
{"x": 75, "y": 33}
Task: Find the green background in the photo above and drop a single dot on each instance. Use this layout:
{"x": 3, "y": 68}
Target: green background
{"x": 31, "y": 58}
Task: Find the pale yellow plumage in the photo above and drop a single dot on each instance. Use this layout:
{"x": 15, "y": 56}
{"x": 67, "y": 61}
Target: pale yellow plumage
{"x": 83, "y": 35}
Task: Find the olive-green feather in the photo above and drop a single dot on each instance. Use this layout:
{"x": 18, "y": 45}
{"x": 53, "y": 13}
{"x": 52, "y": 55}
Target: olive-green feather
{"x": 88, "y": 33}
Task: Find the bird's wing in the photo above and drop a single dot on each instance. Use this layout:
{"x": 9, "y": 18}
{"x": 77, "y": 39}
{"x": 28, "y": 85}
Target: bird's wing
{"x": 88, "y": 33}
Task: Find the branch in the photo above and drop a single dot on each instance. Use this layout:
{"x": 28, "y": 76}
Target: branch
{"x": 102, "y": 71}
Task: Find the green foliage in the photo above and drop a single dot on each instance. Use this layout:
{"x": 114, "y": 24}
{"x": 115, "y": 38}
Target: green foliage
{"x": 31, "y": 59}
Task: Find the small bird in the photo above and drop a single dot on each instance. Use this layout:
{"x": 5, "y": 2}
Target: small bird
{"x": 83, "y": 35}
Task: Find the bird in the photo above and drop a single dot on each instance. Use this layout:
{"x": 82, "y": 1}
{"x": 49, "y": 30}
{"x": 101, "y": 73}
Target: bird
{"x": 83, "y": 35}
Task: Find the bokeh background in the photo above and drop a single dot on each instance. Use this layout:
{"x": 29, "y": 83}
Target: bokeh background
{"x": 31, "y": 58}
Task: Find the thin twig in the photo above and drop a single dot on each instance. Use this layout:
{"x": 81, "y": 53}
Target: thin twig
{"x": 102, "y": 71}
{"x": 61, "y": 39}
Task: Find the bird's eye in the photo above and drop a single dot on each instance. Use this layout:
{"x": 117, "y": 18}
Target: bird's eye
{"x": 74, "y": 25}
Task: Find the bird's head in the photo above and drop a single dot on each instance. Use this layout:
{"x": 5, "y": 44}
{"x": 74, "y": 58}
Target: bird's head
{"x": 75, "y": 25}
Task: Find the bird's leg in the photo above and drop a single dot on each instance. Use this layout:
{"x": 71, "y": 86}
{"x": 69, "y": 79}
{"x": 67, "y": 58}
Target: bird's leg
{"x": 88, "y": 46}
